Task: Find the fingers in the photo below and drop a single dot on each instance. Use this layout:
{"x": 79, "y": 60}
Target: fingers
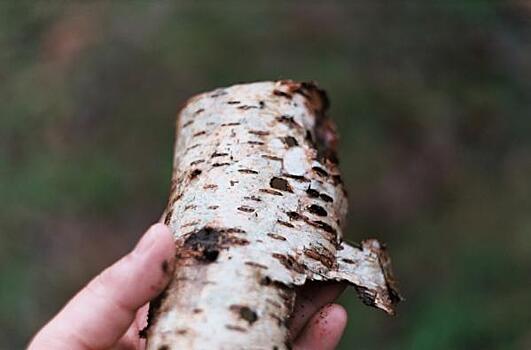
{"x": 324, "y": 330}
{"x": 310, "y": 298}
{"x": 102, "y": 312}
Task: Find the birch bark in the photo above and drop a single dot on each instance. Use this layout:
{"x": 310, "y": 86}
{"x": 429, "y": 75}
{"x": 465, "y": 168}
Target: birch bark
{"x": 256, "y": 206}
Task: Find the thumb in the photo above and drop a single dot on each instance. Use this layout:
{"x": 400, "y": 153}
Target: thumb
{"x": 101, "y": 312}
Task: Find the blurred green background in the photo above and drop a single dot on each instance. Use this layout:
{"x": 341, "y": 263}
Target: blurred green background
{"x": 432, "y": 98}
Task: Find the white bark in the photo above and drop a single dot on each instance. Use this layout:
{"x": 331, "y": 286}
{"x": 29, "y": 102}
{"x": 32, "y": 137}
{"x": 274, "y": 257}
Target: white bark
{"x": 256, "y": 206}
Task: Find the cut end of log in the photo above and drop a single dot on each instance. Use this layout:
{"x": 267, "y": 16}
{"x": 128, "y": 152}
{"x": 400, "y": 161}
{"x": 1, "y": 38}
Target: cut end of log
{"x": 257, "y": 206}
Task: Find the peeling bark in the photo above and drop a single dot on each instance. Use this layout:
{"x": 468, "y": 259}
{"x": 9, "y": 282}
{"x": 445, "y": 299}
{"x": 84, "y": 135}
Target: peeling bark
{"x": 256, "y": 206}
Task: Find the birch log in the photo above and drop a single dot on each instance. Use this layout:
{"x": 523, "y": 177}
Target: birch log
{"x": 256, "y": 207}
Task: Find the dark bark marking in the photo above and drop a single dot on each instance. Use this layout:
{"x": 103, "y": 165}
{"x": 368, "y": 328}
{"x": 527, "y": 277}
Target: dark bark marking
{"x": 210, "y": 186}
{"x": 194, "y": 173}
{"x": 267, "y": 156}
{"x": 320, "y": 171}
{"x": 200, "y": 110}
{"x": 248, "y": 171}
{"x": 253, "y": 198}
{"x": 246, "y": 107}
{"x": 326, "y": 197}
{"x": 277, "y": 236}
{"x": 254, "y": 264}
{"x": 289, "y": 262}
{"x": 317, "y": 210}
{"x": 219, "y": 164}
{"x": 293, "y": 215}
{"x": 299, "y": 178}
{"x": 312, "y": 193}
{"x": 231, "y": 124}
{"x": 246, "y": 209}
{"x": 284, "y": 223}
{"x": 216, "y": 154}
{"x": 245, "y": 313}
{"x": 256, "y": 143}
{"x": 259, "y": 132}
{"x": 233, "y": 102}
{"x": 235, "y": 328}
{"x": 195, "y": 162}
{"x": 290, "y": 141}
{"x": 280, "y": 184}
{"x": 270, "y": 191}
{"x": 199, "y": 133}
{"x": 187, "y": 123}
{"x": 324, "y": 259}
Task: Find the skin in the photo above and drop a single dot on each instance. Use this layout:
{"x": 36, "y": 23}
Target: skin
{"x": 111, "y": 309}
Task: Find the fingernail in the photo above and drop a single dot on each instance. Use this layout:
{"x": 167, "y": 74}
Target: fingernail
{"x": 147, "y": 241}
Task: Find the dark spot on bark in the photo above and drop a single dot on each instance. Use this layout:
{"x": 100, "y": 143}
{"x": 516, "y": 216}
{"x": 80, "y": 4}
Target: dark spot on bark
{"x": 326, "y": 197}
{"x": 216, "y": 154}
{"x": 293, "y": 215}
{"x": 287, "y": 119}
{"x": 299, "y": 178}
{"x": 254, "y": 264}
{"x": 199, "y": 133}
{"x": 187, "y": 123}
{"x": 206, "y": 242}
{"x": 233, "y": 102}
{"x": 246, "y": 209}
{"x": 247, "y": 171}
{"x": 213, "y": 207}
{"x": 245, "y": 313}
{"x": 259, "y": 132}
{"x": 218, "y": 93}
{"x": 164, "y": 347}
{"x": 289, "y": 262}
{"x": 267, "y": 156}
{"x": 312, "y": 193}
{"x": 194, "y": 173}
{"x": 233, "y": 182}
{"x": 181, "y": 331}
{"x": 320, "y": 171}
{"x": 231, "y": 124}
{"x": 280, "y": 184}
{"x": 282, "y": 94}
{"x": 210, "y": 186}
{"x": 195, "y": 162}
{"x": 197, "y": 311}
{"x": 246, "y": 107}
{"x": 232, "y": 230}
{"x": 265, "y": 281}
{"x": 348, "y": 261}
{"x": 190, "y": 206}
{"x": 323, "y": 225}
{"x": 284, "y": 223}
{"x": 325, "y": 259}
{"x": 200, "y": 110}
{"x": 193, "y": 146}
{"x": 317, "y": 210}
{"x": 256, "y": 143}
{"x": 276, "y": 236}
{"x": 290, "y": 141}
{"x": 270, "y": 191}
{"x": 235, "y": 328}
{"x": 253, "y": 198}
{"x": 219, "y": 164}
{"x": 261, "y": 104}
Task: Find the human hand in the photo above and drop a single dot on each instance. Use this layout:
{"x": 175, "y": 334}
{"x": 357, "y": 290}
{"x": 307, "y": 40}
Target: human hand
{"x": 109, "y": 312}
